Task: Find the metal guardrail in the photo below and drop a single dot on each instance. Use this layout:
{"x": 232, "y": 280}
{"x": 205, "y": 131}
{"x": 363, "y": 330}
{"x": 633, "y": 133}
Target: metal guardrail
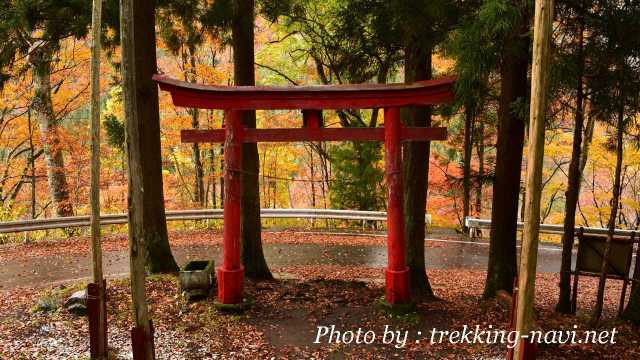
{"x": 179, "y": 215}
{"x": 473, "y": 223}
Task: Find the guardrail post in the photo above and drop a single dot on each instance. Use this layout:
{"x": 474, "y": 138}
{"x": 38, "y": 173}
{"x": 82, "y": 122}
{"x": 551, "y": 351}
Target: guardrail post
{"x": 397, "y": 273}
{"x": 231, "y": 273}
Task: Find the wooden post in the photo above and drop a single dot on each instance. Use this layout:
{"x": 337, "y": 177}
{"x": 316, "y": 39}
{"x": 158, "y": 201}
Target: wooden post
{"x": 231, "y": 273}
{"x": 142, "y": 349}
{"x": 98, "y": 327}
{"x": 529, "y": 252}
{"x": 397, "y": 274}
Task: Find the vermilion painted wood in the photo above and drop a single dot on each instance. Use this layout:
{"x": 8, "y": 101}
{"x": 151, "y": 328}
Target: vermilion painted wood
{"x": 312, "y": 99}
{"x": 397, "y": 274}
{"x": 315, "y": 134}
{"x": 312, "y": 119}
{"x": 231, "y": 273}
{"x": 362, "y": 96}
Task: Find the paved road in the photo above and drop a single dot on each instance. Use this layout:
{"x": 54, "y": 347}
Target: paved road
{"x": 454, "y": 254}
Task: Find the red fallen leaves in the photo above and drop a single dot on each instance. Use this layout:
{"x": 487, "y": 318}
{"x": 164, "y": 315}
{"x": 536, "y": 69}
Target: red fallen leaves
{"x": 283, "y": 320}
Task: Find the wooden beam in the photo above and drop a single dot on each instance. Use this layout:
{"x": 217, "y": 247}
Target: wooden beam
{"x": 361, "y": 96}
{"x": 530, "y": 235}
{"x": 314, "y": 134}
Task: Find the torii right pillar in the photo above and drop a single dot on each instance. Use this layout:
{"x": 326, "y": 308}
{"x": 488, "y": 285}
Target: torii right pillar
{"x": 397, "y": 273}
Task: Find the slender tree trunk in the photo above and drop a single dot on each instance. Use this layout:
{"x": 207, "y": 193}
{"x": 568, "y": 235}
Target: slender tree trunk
{"x": 480, "y": 151}
{"x": 100, "y": 348}
{"x": 466, "y": 170}
{"x": 255, "y": 265}
{"x": 611, "y": 225}
{"x": 415, "y": 171}
{"x": 222, "y": 176}
{"x": 573, "y": 187}
{"x": 212, "y": 170}
{"x": 198, "y": 181}
{"x": 42, "y": 105}
{"x": 146, "y": 123}
{"x": 198, "y": 185}
{"x": 506, "y": 186}
{"x": 588, "y": 137}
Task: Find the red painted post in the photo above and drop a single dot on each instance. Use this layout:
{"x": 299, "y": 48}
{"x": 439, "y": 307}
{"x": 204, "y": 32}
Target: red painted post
{"x": 397, "y": 274}
{"x": 312, "y": 119}
{"x": 231, "y": 273}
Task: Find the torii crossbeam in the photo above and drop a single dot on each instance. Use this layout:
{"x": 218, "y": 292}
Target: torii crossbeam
{"x": 311, "y": 100}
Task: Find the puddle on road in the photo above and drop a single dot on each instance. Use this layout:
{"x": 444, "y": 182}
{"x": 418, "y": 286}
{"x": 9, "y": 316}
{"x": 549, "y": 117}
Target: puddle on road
{"x": 42, "y": 271}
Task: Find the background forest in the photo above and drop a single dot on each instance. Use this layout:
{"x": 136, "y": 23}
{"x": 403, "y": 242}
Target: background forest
{"x": 44, "y": 109}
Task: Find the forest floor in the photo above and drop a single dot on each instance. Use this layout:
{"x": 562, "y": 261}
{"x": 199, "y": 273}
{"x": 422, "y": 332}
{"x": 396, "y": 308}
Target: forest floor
{"x": 284, "y": 319}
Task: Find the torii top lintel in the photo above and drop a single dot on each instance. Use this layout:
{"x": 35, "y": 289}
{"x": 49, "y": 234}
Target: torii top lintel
{"x": 362, "y": 96}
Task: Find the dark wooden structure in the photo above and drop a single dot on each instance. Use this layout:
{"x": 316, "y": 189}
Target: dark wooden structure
{"x": 590, "y": 257}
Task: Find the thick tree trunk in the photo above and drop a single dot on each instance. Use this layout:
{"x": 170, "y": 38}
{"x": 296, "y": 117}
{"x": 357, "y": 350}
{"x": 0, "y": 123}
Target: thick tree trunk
{"x": 415, "y": 169}
{"x": 573, "y": 187}
{"x": 466, "y": 169}
{"x": 506, "y": 185}
{"x": 131, "y": 14}
{"x": 146, "y": 123}
{"x": 611, "y": 225}
{"x": 255, "y": 265}
{"x": 40, "y": 59}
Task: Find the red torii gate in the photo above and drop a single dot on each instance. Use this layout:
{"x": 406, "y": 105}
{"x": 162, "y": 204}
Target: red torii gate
{"x": 311, "y": 100}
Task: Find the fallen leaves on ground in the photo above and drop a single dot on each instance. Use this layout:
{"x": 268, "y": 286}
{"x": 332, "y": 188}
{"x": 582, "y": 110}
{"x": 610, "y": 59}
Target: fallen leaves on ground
{"x": 283, "y": 320}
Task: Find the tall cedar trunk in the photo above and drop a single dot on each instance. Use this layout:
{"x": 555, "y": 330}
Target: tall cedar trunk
{"x": 147, "y": 123}
{"x": 611, "y": 225}
{"x": 132, "y": 16}
{"x": 255, "y": 266}
{"x": 480, "y": 151}
{"x": 506, "y": 185}
{"x": 466, "y": 170}
{"x": 40, "y": 60}
{"x": 415, "y": 169}
{"x": 573, "y": 187}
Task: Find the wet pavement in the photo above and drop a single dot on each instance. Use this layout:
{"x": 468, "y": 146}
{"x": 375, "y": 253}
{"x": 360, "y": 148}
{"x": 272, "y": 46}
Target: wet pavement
{"x": 439, "y": 254}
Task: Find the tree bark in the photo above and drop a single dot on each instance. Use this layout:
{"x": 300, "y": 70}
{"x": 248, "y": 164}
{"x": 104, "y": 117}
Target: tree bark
{"x": 132, "y": 12}
{"x": 611, "y": 225}
{"x": 480, "y": 151}
{"x": 198, "y": 185}
{"x": 40, "y": 59}
{"x": 198, "y": 181}
{"x": 573, "y": 187}
{"x": 466, "y": 169}
{"x": 525, "y": 298}
{"x": 255, "y": 265}
{"x": 100, "y": 350}
{"x": 506, "y": 185}
{"x": 415, "y": 169}
{"x": 145, "y": 147}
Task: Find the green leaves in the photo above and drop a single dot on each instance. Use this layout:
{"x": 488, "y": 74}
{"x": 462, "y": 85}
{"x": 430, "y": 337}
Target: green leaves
{"x": 115, "y": 132}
